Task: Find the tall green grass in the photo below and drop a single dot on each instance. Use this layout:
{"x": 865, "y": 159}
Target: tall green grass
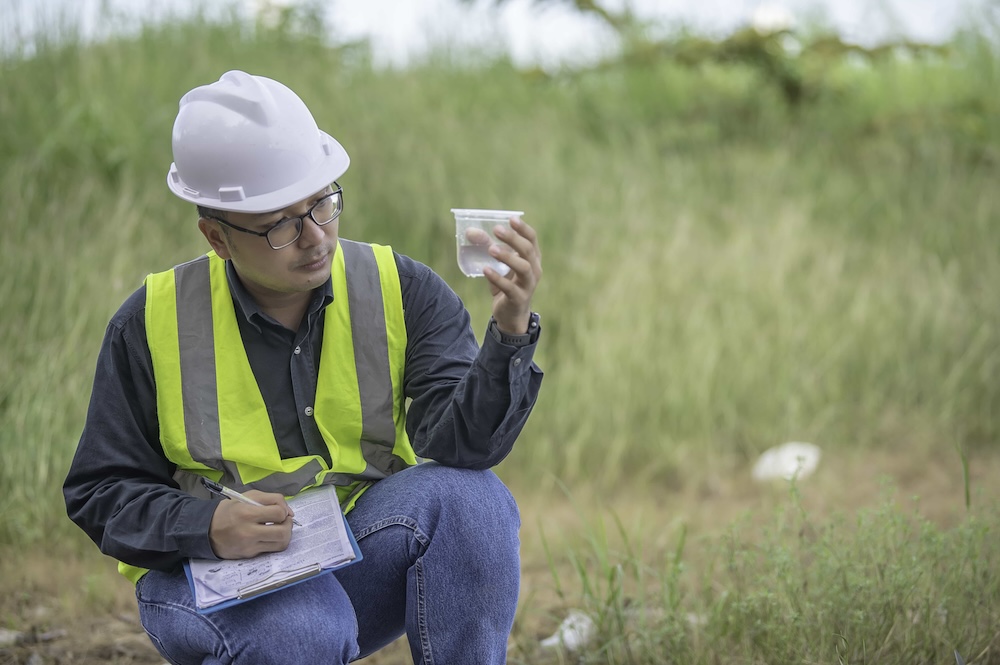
{"x": 722, "y": 272}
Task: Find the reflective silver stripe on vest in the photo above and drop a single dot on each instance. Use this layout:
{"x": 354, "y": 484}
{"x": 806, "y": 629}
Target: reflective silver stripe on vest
{"x": 196, "y": 342}
{"x": 371, "y": 359}
{"x": 288, "y": 484}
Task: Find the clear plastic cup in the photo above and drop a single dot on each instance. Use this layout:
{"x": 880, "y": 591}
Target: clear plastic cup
{"x": 474, "y": 235}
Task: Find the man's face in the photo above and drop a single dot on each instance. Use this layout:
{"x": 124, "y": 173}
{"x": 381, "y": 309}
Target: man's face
{"x": 297, "y": 268}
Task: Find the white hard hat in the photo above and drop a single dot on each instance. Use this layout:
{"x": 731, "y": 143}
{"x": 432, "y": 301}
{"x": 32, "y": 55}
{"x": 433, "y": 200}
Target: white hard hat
{"x": 249, "y": 144}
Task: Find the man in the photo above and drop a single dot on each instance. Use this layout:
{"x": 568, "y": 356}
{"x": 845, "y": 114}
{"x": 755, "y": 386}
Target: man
{"x": 282, "y": 360}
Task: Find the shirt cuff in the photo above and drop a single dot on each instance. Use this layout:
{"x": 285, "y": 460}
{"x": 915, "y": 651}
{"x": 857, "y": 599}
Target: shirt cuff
{"x": 192, "y": 529}
{"x": 503, "y": 360}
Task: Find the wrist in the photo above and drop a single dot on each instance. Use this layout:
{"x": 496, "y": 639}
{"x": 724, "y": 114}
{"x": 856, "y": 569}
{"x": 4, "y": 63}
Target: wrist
{"x": 529, "y": 335}
{"x": 518, "y": 326}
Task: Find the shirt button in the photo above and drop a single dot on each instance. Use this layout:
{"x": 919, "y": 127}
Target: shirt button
{"x": 309, "y": 411}
{"x": 517, "y": 361}
{"x": 298, "y": 350}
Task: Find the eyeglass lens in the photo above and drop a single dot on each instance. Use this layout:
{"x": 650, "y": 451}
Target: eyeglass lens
{"x": 288, "y": 230}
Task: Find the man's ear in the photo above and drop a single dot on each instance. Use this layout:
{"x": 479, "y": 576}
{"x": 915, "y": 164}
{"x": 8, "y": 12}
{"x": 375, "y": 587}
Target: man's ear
{"x": 215, "y": 236}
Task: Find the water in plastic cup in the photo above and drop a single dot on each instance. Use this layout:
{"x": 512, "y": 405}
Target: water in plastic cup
{"x": 474, "y": 235}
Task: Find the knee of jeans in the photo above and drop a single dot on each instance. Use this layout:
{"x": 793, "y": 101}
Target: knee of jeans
{"x": 482, "y": 500}
{"x": 327, "y": 642}
{"x": 321, "y": 640}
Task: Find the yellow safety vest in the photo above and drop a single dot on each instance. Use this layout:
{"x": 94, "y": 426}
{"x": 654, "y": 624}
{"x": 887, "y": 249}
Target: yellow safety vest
{"x": 212, "y": 418}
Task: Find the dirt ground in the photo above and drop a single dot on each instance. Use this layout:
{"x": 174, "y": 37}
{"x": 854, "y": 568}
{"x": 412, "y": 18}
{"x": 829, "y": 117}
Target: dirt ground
{"x": 57, "y": 610}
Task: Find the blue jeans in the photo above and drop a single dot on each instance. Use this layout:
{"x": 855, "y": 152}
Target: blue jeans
{"x": 440, "y": 563}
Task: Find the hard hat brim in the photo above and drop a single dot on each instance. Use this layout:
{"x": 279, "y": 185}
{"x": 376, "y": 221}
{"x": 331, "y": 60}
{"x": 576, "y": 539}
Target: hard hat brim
{"x": 333, "y": 166}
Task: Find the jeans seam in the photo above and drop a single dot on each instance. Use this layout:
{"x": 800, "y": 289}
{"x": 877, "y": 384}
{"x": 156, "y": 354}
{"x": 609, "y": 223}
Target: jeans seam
{"x": 425, "y": 637}
{"x": 420, "y": 537}
{"x": 394, "y": 521}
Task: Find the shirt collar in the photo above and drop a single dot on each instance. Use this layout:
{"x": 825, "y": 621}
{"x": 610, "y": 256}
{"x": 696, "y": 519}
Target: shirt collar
{"x": 321, "y": 297}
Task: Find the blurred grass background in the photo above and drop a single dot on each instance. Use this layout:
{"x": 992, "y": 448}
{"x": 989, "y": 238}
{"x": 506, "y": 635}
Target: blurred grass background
{"x": 743, "y": 244}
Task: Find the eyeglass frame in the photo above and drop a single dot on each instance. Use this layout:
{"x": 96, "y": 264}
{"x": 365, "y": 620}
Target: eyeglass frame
{"x": 299, "y": 219}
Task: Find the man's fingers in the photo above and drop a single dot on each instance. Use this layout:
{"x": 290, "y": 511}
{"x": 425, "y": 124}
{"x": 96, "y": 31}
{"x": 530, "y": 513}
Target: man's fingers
{"x": 273, "y": 537}
{"x": 524, "y": 246}
{"x": 518, "y": 263}
{"x": 477, "y": 236}
{"x": 267, "y": 498}
{"x": 517, "y": 237}
{"x": 240, "y": 530}
{"x": 504, "y": 284}
{"x": 512, "y": 292}
{"x": 278, "y": 508}
{"x": 524, "y": 229}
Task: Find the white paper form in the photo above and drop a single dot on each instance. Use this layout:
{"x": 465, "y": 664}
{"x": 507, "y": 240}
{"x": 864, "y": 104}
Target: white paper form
{"x": 321, "y": 542}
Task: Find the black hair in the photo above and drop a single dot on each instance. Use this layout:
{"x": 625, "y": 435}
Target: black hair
{"x": 213, "y": 213}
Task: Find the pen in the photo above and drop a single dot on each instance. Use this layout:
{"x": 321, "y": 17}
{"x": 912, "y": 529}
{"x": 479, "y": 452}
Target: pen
{"x": 228, "y": 493}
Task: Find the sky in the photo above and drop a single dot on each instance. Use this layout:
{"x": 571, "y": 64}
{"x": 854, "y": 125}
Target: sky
{"x": 549, "y": 33}
{"x": 541, "y": 33}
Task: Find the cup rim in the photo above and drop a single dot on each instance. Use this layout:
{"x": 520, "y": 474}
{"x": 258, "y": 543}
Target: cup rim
{"x": 485, "y": 213}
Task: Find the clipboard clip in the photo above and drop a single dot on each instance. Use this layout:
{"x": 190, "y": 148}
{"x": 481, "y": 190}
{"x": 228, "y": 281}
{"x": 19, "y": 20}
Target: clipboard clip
{"x": 286, "y": 577}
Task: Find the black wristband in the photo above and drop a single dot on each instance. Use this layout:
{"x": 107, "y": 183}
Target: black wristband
{"x": 524, "y": 339}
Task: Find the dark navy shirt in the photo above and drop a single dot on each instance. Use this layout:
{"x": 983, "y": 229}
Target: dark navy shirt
{"x": 466, "y": 407}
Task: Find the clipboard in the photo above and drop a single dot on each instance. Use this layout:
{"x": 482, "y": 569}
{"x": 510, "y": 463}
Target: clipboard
{"x": 216, "y": 585}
